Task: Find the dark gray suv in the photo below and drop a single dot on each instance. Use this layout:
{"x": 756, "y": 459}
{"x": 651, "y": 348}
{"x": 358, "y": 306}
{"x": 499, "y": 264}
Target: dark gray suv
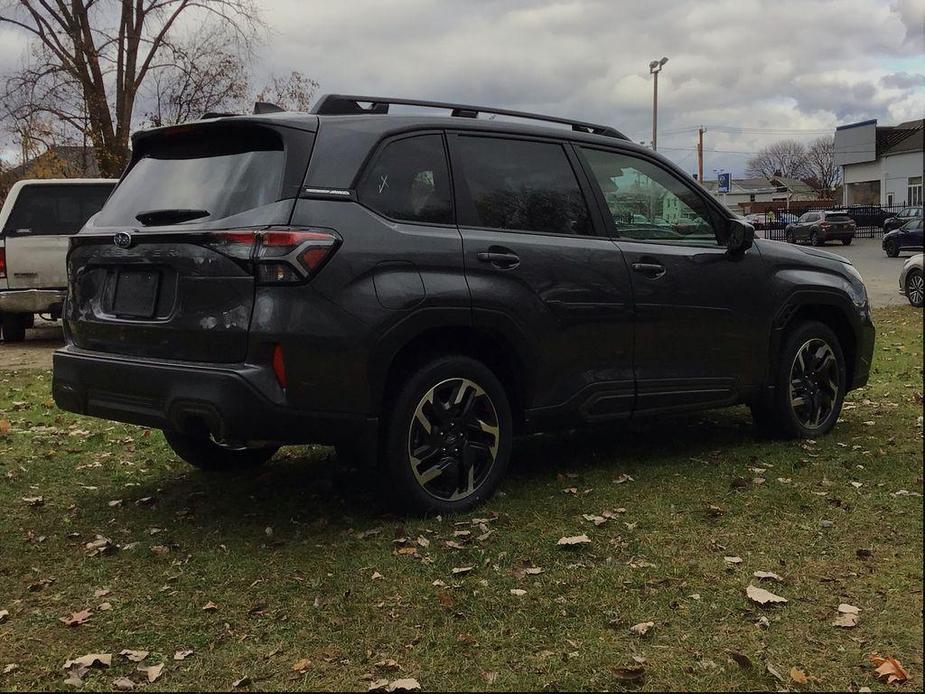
{"x": 417, "y": 290}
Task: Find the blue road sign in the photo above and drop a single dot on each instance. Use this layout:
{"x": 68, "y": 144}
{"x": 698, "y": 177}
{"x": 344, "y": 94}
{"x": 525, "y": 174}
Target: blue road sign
{"x": 724, "y": 181}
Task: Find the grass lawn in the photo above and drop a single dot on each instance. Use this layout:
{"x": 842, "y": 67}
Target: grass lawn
{"x": 297, "y": 563}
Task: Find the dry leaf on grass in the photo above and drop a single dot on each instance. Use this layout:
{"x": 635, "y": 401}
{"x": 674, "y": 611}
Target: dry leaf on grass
{"x": 574, "y": 540}
{"x": 90, "y": 660}
{"x": 642, "y": 628}
{"x": 301, "y": 665}
{"x": 518, "y": 592}
{"x": 152, "y": 672}
{"x": 459, "y": 570}
{"x": 767, "y": 574}
{"x": 183, "y": 655}
{"x": 408, "y": 684}
{"x": 134, "y": 656}
{"x": 388, "y": 664}
{"x": 762, "y": 596}
{"x": 76, "y": 618}
{"x": 889, "y": 669}
{"x": 732, "y": 560}
{"x": 123, "y": 684}
{"x": 798, "y": 676}
{"x": 4, "y": 615}
{"x": 243, "y": 682}
{"x": 633, "y": 675}
{"x": 4, "y": 427}
{"x": 742, "y": 660}
{"x": 209, "y": 607}
{"x": 34, "y": 501}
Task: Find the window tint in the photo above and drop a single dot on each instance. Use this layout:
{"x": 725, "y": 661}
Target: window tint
{"x": 410, "y": 181}
{"x": 223, "y": 172}
{"x": 56, "y": 209}
{"x": 521, "y": 185}
{"x": 648, "y": 203}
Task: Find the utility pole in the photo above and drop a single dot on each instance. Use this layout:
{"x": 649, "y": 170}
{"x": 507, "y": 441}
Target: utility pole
{"x": 654, "y": 68}
{"x": 700, "y": 133}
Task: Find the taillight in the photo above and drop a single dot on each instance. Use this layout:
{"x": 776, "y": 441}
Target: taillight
{"x": 2, "y": 263}
{"x": 824, "y": 225}
{"x": 280, "y": 256}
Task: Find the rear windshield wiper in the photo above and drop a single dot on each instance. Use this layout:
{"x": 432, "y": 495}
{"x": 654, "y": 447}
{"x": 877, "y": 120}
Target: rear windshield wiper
{"x": 169, "y": 216}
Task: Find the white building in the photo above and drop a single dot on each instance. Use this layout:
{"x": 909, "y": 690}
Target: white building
{"x": 881, "y": 165}
{"x": 743, "y": 191}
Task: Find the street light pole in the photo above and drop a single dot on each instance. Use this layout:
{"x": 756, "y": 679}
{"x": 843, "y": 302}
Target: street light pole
{"x": 655, "y": 67}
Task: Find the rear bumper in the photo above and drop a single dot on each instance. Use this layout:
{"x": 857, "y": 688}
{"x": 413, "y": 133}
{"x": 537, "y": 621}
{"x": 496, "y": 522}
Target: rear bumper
{"x": 837, "y": 235}
{"x": 31, "y": 300}
{"x": 240, "y": 402}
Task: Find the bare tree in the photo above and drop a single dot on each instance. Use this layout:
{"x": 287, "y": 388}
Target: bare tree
{"x": 785, "y": 158}
{"x": 104, "y": 50}
{"x": 203, "y": 72}
{"x": 823, "y": 174}
{"x": 293, "y": 93}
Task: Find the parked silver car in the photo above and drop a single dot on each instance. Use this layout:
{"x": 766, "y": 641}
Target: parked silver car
{"x": 911, "y": 282}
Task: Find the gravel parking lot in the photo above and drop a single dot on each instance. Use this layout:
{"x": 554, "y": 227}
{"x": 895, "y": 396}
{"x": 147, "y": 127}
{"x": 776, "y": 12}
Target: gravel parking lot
{"x": 881, "y": 274}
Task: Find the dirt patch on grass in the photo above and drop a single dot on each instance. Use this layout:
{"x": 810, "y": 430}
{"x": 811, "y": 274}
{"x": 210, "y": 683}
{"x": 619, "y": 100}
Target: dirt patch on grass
{"x": 36, "y": 352}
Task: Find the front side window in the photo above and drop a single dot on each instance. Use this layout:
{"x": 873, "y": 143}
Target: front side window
{"x": 521, "y": 185}
{"x": 410, "y": 181}
{"x": 647, "y": 203}
{"x": 52, "y": 209}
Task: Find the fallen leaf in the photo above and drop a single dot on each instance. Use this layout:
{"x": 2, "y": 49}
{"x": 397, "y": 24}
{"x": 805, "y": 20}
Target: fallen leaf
{"x": 845, "y": 621}
{"x": 209, "y": 607}
{"x": 388, "y": 664}
{"x": 12, "y": 667}
{"x": 134, "y": 656}
{"x": 4, "y": 615}
{"x": 462, "y": 570}
{"x": 889, "y": 669}
{"x": 301, "y": 665}
{"x": 742, "y": 660}
{"x": 518, "y": 592}
{"x": 775, "y": 672}
{"x": 642, "y": 628}
{"x": 798, "y": 676}
{"x": 184, "y": 654}
{"x": 34, "y": 501}
{"x": 243, "y": 682}
{"x": 490, "y": 676}
{"x": 761, "y": 596}
{"x": 123, "y": 684}
{"x": 104, "y": 607}
{"x": 732, "y": 560}
{"x": 574, "y": 540}
{"x": 101, "y": 592}
{"x": 630, "y": 674}
{"x": 76, "y": 618}
{"x": 767, "y": 574}
{"x": 404, "y": 685}
{"x": 90, "y": 660}
{"x": 845, "y": 608}
{"x": 376, "y": 576}
{"x": 153, "y": 672}
{"x": 378, "y": 685}
{"x": 4, "y": 427}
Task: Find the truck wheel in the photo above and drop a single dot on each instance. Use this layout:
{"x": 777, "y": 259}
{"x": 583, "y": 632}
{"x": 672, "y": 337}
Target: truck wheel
{"x": 891, "y": 248}
{"x": 14, "y": 326}
{"x": 204, "y": 453}
{"x": 846, "y": 242}
{"x": 809, "y": 387}
{"x": 449, "y": 436}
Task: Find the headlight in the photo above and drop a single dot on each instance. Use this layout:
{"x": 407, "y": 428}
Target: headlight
{"x": 857, "y": 289}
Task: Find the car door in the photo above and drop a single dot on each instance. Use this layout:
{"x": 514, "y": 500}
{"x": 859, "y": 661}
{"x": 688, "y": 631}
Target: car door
{"x": 39, "y": 228}
{"x": 538, "y": 268}
{"x": 702, "y": 317}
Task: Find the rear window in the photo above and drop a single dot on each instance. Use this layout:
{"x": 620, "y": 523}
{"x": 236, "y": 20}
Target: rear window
{"x": 216, "y": 174}
{"x": 837, "y": 217}
{"x": 54, "y": 209}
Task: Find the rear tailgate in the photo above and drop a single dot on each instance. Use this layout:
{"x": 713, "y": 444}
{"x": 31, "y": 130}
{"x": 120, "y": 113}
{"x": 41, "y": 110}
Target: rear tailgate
{"x": 183, "y": 287}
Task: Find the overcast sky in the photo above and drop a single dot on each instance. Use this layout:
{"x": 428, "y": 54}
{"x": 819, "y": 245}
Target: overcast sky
{"x": 798, "y": 68}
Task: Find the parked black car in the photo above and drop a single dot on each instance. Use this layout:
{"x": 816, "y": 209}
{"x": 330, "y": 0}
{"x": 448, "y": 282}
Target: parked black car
{"x": 866, "y": 215}
{"x": 907, "y": 237}
{"x": 819, "y": 227}
{"x": 417, "y": 290}
{"x": 905, "y": 216}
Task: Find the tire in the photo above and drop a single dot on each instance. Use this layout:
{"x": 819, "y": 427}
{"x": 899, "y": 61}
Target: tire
{"x": 203, "y": 453}
{"x": 814, "y": 239}
{"x": 790, "y": 237}
{"x": 915, "y": 291}
{"x": 846, "y": 242}
{"x": 455, "y": 410}
{"x": 891, "y": 248}
{"x": 14, "y": 327}
{"x": 777, "y": 415}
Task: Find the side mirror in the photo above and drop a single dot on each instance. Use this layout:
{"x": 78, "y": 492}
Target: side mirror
{"x": 741, "y": 237}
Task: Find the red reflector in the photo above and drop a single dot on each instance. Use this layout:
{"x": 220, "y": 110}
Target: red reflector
{"x": 2, "y": 262}
{"x": 313, "y": 257}
{"x": 279, "y": 365}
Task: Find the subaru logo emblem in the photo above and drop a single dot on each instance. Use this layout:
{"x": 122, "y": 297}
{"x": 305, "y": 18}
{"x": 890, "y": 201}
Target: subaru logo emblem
{"x": 123, "y": 239}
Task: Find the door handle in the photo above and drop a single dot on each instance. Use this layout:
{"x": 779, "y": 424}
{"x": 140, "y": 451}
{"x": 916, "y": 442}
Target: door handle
{"x": 504, "y": 260}
{"x": 650, "y": 270}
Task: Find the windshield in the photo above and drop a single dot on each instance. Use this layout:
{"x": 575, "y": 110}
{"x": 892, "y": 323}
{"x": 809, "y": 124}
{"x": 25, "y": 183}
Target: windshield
{"x": 218, "y": 175}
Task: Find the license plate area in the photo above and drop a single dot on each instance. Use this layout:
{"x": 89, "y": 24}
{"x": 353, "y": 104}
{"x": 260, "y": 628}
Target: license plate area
{"x": 136, "y": 293}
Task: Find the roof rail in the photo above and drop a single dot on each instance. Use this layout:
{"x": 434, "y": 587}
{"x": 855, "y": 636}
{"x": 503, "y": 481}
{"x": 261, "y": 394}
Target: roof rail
{"x": 344, "y": 104}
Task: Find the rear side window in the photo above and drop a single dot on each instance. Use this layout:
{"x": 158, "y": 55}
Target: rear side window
{"x": 53, "y": 209}
{"x": 211, "y": 175}
{"x": 837, "y": 218}
{"x": 520, "y": 185}
{"x": 410, "y": 181}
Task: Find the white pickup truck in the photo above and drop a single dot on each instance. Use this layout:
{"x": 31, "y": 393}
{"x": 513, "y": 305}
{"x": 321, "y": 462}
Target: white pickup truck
{"x": 36, "y": 222}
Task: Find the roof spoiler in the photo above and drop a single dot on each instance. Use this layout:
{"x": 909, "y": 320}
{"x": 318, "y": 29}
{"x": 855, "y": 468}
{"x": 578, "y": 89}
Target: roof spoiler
{"x": 343, "y": 104}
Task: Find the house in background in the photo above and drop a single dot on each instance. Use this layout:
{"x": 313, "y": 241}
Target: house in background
{"x": 881, "y": 165}
{"x": 778, "y": 189}
{"x": 58, "y": 161}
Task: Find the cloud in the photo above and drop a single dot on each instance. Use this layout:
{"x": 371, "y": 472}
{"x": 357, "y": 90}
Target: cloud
{"x": 902, "y": 80}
